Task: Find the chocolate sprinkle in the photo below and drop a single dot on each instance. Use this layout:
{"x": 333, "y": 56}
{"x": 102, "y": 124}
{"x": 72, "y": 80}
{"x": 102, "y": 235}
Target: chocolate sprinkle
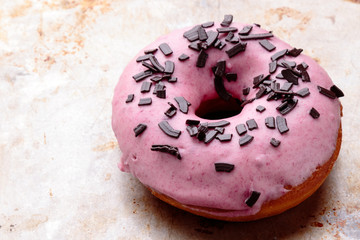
{"x": 294, "y": 52}
{"x": 226, "y": 29}
{"x": 168, "y": 130}
{"x": 130, "y": 98}
{"x": 212, "y": 37}
{"x": 261, "y": 92}
{"x": 289, "y": 76}
{"x": 287, "y": 106}
{"x": 142, "y": 75}
{"x": 305, "y": 76}
{"x": 274, "y": 142}
{"x": 156, "y": 78}
{"x": 337, "y": 91}
{"x": 224, "y": 137}
{"x": 144, "y": 101}
{"x": 165, "y": 49}
{"x": 224, "y": 167}
{"x": 139, "y": 129}
{"x": 240, "y": 47}
{"x": 167, "y": 149}
{"x": 169, "y": 67}
{"x": 246, "y": 91}
{"x": 161, "y": 93}
{"x": 220, "y": 89}
{"x": 245, "y": 139}
{"x": 246, "y": 30}
{"x": 267, "y": 45}
{"x": 286, "y": 86}
{"x": 229, "y": 37}
{"x": 279, "y": 76}
{"x": 251, "y": 124}
{"x": 220, "y": 129}
{"x": 183, "y": 104}
{"x": 286, "y": 64}
{"x": 231, "y": 76}
{"x": 171, "y": 111}
{"x": 210, "y": 135}
{"x": 201, "y": 61}
{"x": 227, "y": 20}
{"x": 314, "y": 113}
{"x": 202, "y": 34}
{"x": 260, "y": 108}
{"x": 278, "y": 55}
{"x": 247, "y": 102}
{"x": 220, "y": 68}
{"x": 156, "y": 64}
{"x": 272, "y": 66}
{"x": 253, "y": 198}
{"x": 192, "y": 122}
{"x": 145, "y": 87}
{"x": 158, "y": 86}
{"x": 194, "y": 46}
{"x": 207, "y": 24}
{"x": 281, "y": 124}
{"x": 192, "y": 34}
{"x": 303, "y": 92}
{"x": 235, "y": 39}
{"x": 149, "y": 66}
{"x": 144, "y": 57}
{"x": 302, "y": 66}
{"x": 221, "y": 123}
{"x": 202, "y": 129}
{"x": 192, "y": 130}
{"x": 327, "y": 92}
{"x": 256, "y": 36}
{"x": 241, "y": 129}
{"x": 154, "y": 50}
{"x": 183, "y": 57}
{"x": 270, "y": 122}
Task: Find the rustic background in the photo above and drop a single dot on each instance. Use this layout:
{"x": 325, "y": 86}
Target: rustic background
{"x": 59, "y": 63}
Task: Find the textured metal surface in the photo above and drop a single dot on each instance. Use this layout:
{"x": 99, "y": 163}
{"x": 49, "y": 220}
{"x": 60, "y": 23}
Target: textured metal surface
{"x": 59, "y": 63}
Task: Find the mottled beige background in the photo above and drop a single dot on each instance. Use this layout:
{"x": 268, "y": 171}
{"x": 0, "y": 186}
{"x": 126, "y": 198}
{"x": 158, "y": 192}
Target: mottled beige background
{"x": 59, "y": 63}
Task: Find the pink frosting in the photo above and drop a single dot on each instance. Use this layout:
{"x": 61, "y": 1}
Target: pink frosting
{"x": 258, "y": 165}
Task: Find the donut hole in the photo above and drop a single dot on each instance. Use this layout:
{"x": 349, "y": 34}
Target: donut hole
{"x": 218, "y": 108}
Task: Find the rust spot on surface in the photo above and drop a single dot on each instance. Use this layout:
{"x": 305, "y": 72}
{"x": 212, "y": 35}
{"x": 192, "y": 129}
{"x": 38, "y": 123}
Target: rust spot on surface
{"x": 105, "y": 147}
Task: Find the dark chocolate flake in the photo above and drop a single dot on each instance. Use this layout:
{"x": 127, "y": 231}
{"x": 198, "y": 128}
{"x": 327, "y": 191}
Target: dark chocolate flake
{"x": 169, "y": 130}
{"x": 294, "y": 52}
{"x": 327, "y": 92}
{"x": 252, "y": 199}
{"x": 171, "y": 111}
{"x": 212, "y": 37}
{"x": 245, "y": 139}
{"x": 224, "y": 137}
{"x": 287, "y": 106}
{"x": 278, "y": 55}
{"x": 289, "y": 76}
{"x": 194, "y": 46}
{"x": 142, "y": 75}
{"x": 260, "y": 108}
{"x": 305, "y": 77}
{"x": 221, "y": 123}
{"x": 246, "y": 30}
{"x": 169, "y": 67}
{"x": 303, "y": 92}
{"x": 192, "y": 130}
{"x": 314, "y": 113}
{"x": 239, "y": 47}
{"x": 270, "y": 122}
{"x": 192, "y": 122}
{"x": 172, "y": 79}
{"x": 241, "y": 129}
{"x": 149, "y": 66}
{"x": 272, "y": 66}
{"x": 144, "y": 101}
{"x": 220, "y": 129}
{"x": 247, "y": 102}
{"x": 183, "y": 104}
{"x": 227, "y": 20}
{"x": 183, "y": 57}
{"x": 130, "y": 98}
{"x": 337, "y": 91}
{"x": 139, "y": 129}
{"x": 286, "y": 86}
{"x": 156, "y": 64}
{"x": 207, "y": 24}
{"x": 165, "y": 49}
{"x": 256, "y": 36}
{"x": 167, "y": 149}
{"x": 202, "y": 130}
{"x": 153, "y": 50}
{"x": 161, "y": 93}
{"x": 281, "y": 124}
{"x": 235, "y": 39}
{"x": 220, "y": 89}
{"x": 261, "y": 92}
{"x": 274, "y": 142}
{"x": 251, "y": 124}
{"x": 202, "y": 34}
{"x": 229, "y": 37}
{"x": 201, "y": 61}
{"x": 231, "y": 77}
{"x": 220, "y": 68}
{"x": 156, "y": 78}
{"x": 145, "y": 87}
{"x": 246, "y": 91}
{"x": 210, "y": 135}
{"x": 224, "y": 167}
{"x": 267, "y": 45}
{"x": 158, "y": 86}
{"x": 226, "y": 29}
{"x": 286, "y": 64}
{"x": 144, "y": 57}
{"x": 192, "y": 34}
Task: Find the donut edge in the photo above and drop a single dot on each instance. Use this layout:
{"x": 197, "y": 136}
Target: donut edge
{"x": 294, "y": 197}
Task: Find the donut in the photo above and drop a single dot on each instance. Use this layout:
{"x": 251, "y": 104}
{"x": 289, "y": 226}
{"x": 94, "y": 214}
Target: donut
{"x": 227, "y": 121}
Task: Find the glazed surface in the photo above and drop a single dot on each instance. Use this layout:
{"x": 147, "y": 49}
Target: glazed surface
{"x": 258, "y": 165}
